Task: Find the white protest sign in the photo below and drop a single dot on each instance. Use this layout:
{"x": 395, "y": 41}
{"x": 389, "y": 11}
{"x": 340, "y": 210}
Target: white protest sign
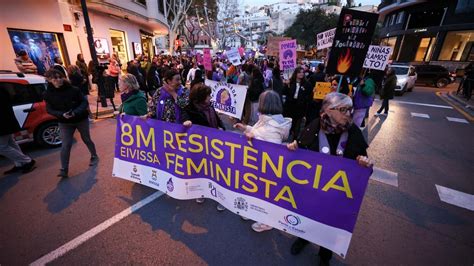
{"x": 227, "y": 98}
{"x": 377, "y": 57}
{"x": 234, "y": 56}
{"x": 325, "y": 39}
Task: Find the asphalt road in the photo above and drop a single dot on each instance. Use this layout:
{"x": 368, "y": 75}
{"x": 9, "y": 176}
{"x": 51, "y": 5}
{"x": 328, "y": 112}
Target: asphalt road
{"x": 408, "y": 224}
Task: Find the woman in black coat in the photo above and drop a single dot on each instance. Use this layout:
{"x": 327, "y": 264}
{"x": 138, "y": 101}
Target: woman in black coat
{"x": 388, "y": 90}
{"x": 327, "y": 134}
{"x": 297, "y": 93}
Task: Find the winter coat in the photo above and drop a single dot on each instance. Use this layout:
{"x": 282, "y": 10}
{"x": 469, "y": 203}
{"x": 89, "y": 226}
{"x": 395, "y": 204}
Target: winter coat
{"x": 77, "y": 80}
{"x": 109, "y": 87}
{"x": 271, "y": 128}
{"x": 388, "y": 89}
{"x": 296, "y": 108}
{"x": 256, "y": 88}
{"x": 153, "y": 78}
{"x": 360, "y": 99}
{"x": 135, "y": 105}
{"x": 356, "y": 144}
{"x": 65, "y": 99}
{"x": 197, "y": 117}
{"x": 7, "y": 116}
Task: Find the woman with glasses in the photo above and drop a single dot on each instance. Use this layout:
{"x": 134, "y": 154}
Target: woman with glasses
{"x": 333, "y": 133}
{"x": 69, "y": 106}
{"x": 169, "y": 101}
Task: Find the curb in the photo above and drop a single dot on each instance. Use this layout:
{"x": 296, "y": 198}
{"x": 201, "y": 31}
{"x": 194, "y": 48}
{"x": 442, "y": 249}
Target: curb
{"x": 464, "y": 104}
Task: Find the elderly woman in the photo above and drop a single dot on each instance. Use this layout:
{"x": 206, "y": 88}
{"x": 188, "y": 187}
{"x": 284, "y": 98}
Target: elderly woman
{"x": 333, "y": 133}
{"x": 133, "y": 100}
{"x": 271, "y": 126}
{"x": 169, "y": 101}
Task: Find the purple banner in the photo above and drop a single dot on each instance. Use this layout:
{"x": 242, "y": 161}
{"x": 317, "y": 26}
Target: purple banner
{"x": 324, "y": 188}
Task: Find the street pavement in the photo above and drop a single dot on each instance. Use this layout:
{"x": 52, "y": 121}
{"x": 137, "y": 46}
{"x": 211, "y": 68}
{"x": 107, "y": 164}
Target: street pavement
{"x": 402, "y": 222}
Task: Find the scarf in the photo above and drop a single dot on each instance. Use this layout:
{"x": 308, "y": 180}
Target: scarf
{"x": 329, "y": 127}
{"x": 124, "y": 96}
{"x": 165, "y": 102}
{"x": 210, "y": 114}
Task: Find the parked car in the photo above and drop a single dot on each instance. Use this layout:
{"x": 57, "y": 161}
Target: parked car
{"x": 406, "y": 78}
{"x": 433, "y": 75}
{"x": 26, "y": 92}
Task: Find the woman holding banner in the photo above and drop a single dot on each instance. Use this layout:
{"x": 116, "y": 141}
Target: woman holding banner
{"x": 200, "y": 112}
{"x": 169, "y": 101}
{"x": 271, "y": 126}
{"x": 333, "y": 133}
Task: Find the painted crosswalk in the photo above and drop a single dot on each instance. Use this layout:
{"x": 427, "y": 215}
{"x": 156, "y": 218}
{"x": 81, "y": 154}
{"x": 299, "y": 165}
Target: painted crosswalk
{"x": 385, "y": 176}
{"x": 459, "y": 120}
{"x": 455, "y": 197}
{"x": 420, "y": 115}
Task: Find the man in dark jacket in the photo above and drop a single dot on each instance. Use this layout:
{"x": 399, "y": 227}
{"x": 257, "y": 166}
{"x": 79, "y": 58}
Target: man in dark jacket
{"x": 8, "y": 146}
{"x": 314, "y": 106}
{"x": 69, "y": 106}
{"x": 153, "y": 77}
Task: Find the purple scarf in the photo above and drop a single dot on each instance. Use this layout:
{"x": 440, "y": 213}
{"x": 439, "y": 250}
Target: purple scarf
{"x": 210, "y": 114}
{"x": 124, "y": 96}
{"x": 162, "y": 104}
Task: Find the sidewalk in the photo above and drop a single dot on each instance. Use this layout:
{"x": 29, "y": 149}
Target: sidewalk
{"x": 103, "y": 112}
{"x": 459, "y": 103}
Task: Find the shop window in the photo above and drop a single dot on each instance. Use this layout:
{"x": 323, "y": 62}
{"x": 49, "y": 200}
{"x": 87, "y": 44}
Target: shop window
{"x": 42, "y": 47}
{"x": 423, "y": 53}
{"x": 119, "y": 46}
{"x": 141, "y": 2}
{"x": 389, "y": 42}
{"x": 427, "y": 18}
{"x": 458, "y": 46}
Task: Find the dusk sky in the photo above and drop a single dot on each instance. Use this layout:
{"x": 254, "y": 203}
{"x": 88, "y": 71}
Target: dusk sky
{"x": 264, "y": 2}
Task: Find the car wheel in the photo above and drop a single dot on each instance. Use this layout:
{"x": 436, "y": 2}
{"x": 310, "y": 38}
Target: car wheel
{"x": 442, "y": 82}
{"x": 48, "y": 135}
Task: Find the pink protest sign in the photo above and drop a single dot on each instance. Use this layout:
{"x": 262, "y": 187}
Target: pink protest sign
{"x": 287, "y": 55}
{"x": 207, "y": 60}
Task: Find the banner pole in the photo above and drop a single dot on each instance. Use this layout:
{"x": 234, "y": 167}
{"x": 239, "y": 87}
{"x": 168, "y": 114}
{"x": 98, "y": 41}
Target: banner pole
{"x": 340, "y": 81}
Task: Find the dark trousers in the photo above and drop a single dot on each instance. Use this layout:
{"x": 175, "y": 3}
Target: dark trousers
{"x": 67, "y": 134}
{"x": 324, "y": 253}
{"x": 384, "y": 106}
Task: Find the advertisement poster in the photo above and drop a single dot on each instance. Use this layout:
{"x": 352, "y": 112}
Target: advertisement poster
{"x": 137, "y": 48}
{"x": 207, "y": 59}
{"x": 307, "y": 194}
{"x": 227, "y": 98}
{"x": 377, "y": 57}
{"x": 42, "y": 47}
{"x": 325, "y": 39}
{"x": 101, "y": 48}
{"x": 287, "y": 55}
{"x": 353, "y": 36}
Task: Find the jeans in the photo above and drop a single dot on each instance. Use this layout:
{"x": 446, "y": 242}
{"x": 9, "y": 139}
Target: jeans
{"x": 12, "y": 151}
{"x": 384, "y": 106}
{"x": 67, "y": 134}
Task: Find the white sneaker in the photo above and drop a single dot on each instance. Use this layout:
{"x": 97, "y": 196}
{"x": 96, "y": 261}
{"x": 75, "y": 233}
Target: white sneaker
{"x": 220, "y": 207}
{"x": 376, "y": 114}
{"x": 259, "y": 227}
{"x": 200, "y": 200}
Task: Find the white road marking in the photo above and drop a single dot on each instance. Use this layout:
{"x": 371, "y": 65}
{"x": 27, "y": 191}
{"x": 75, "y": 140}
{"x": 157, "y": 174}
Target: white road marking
{"x": 385, "y": 176}
{"x": 455, "y": 197}
{"x": 420, "y": 115}
{"x": 460, "y": 120}
{"x": 95, "y": 231}
{"x": 422, "y": 104}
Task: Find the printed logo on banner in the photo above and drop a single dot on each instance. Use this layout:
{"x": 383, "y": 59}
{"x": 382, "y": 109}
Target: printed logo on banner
{"x": 241, "y": 204}
{"x": 154, "y": 178}
{"x": 290, "y": 223}
{"x": 170, "y": 185}
{"x": 258, "y": 209}
{"x": 134, "y": 174}
{"x": 213, "y": 190}
{"x": 225, "y": 98}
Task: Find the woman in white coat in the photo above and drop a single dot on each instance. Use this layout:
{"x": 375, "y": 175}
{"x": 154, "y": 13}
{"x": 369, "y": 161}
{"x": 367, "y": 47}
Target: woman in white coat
{"x": 271, "y": 126}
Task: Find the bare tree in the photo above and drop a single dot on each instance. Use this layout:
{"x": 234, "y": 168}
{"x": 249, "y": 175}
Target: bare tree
{"x": 206, "y": 14}
{"x": 228, "y": 11}
{"x": 175, "y": 13}
{"x": 191, "y": 30}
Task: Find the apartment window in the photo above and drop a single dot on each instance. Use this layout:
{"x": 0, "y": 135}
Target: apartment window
{"x": 161, "y": 6}
{"x": 400, "y": 17}
{"x": 392, "y": 19}
{"x": 458, "y": 46}
{"x": 141, "y": 2}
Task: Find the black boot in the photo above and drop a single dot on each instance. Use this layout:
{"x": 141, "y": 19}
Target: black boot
{"x": 298, "y": 246}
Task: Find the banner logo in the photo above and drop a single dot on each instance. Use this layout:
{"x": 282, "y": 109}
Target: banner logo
{"x": 292, "y": 219}
{"x": 241, "y": 204}
{"x": 170, "y": 185}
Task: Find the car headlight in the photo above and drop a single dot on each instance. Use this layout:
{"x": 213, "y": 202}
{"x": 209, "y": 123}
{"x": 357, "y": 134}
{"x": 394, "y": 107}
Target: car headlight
{"x": 401, "y": 81}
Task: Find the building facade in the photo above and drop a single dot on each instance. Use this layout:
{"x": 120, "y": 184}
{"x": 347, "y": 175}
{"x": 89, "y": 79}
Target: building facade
{"x": 432, "y": 32}
{"x": 51, "y": 28}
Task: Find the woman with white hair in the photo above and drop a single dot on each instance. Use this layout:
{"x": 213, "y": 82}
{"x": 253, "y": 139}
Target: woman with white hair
{"x": 271, "y": 126}
{"x": 333, "y": 133}
{"x": 133, "y": 100}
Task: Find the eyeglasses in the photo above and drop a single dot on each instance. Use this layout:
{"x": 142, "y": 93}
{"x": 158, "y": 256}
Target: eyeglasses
{"x": 342, "y": 110}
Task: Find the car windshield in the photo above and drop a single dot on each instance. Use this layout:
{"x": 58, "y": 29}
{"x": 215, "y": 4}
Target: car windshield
{"x": 400, "y": 70}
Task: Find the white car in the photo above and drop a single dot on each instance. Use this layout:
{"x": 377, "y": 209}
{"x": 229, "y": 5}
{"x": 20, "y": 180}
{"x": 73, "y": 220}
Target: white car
{"x": 406, "y": 78}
